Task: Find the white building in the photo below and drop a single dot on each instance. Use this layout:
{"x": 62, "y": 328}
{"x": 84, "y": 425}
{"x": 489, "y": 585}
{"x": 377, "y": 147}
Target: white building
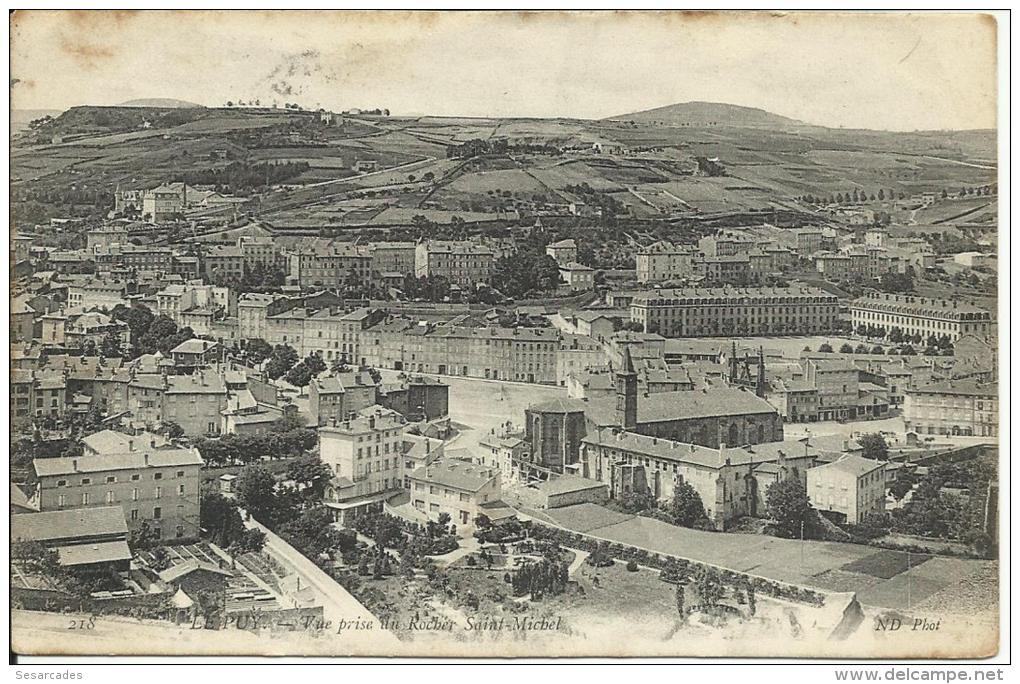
{"x": 850, "y": 488}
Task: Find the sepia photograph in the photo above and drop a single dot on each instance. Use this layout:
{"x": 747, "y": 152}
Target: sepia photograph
{"x": 507, "y": 334}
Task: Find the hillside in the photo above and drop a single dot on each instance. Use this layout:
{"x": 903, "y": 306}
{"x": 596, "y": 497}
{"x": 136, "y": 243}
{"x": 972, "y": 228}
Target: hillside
{"x": 161, "y": 102}
{"x": 709, "y": 114}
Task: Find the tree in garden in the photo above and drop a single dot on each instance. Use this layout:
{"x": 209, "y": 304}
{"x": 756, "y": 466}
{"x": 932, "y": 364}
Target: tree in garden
{"x": 220, "y": 518}
{"x": 299, "y": 376}
{"x": 257, "y": 350}
{"x": 172, "y": 430}
{"x": 281, "y": 360}
{"x": 874, "y": 446}
{"x": 310, "y": 474}
{"x": 825, "y": 348}
{"x": 788, "y": 505}
{"x": 686, "y": 507}
{"x": 846, "y": 348}
{"x": 256, "y": 491}
{"x": 877, "y": 350}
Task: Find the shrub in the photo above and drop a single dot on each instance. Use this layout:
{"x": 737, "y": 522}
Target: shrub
{"x": 632, "y": 566}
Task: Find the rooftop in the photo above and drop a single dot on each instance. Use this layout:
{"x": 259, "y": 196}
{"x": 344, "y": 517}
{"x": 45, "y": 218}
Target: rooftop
{"x": 76, "y": 522}
{"x": 456, "y": 474}
{"x": 133, "y": 460}
{"x": 683, "y": 405}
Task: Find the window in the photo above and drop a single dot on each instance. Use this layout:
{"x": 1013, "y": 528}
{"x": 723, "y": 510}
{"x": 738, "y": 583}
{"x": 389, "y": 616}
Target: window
{"x": 157, "y": 513}
{"x": 136, "y": 477}
{"x": 61, "y": 483}
{"x": 134, "y": 494}
{"x": 111, "y": 479}
{"x": 86, "y": 481}
{"x": 180, "y": 490}
{"x": 157, "y": 476}
{"x": 180, "y": 473}
{"x": 109, "y": 497}
{"x": 61, "y": 501}
{"x": 85, "y": 499}
{"x": 159, "y": 492}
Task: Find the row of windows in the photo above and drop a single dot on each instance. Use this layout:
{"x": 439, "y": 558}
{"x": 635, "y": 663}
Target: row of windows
{"x": 111, "y": 497}
{"x": 112, "y": 479}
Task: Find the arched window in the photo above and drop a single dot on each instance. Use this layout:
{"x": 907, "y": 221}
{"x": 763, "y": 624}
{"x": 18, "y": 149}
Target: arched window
{"x": 734, "y": 435}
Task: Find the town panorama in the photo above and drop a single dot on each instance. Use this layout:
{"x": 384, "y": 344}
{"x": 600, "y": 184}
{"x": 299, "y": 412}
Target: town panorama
{"x": 693, "y": 380}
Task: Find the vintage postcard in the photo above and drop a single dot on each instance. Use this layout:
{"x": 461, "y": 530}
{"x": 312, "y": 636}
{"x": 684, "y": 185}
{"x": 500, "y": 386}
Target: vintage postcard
{"x": 504, "y": 334}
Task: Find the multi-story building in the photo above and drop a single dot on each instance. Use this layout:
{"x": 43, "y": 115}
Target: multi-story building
{"x": 164, "y": 203}
{"x": 330, "y": 332}
{"x": 99, "y": 294}
{"x": 335, "y": 398}
{"x": 417, "y": 397}
{"x": 731, "y": 481}
{"x": 577, "y": 353}
{"x": 563, "y": 252}
{"x": 663, "y": 261}
{"x": 223, "y": 263}
{"x": 195, "y": 402}
{"x": 105, "y": 236}
{"x": 330, "y": 264}
{"x": 921, "y": 316}
{"x": 837, "y": 383}
{"x": 732, "y": 269}
{"x": 37, "y": 394}
{"x": 155, "y": 485}
{"x": 521, "y": 354}
{"x": 366, "y": 456}
{"x": 466, "y": 264}
{"x": 174, "y": 301}
{"x": 420, "y": 451}
{"x": 131, "y": 257}
{"x": 392, "y": 258}
{"x": 454, "y": 487}
{"x": 691, "y": 312}
{"x": 260, "y": 252}
{"x": 578, "y": 277}
{"x": 726, "y": 244}
{"x": 849, "y": 489}
{"x": 252, "y": 311}
{"x": 957, "y": 407}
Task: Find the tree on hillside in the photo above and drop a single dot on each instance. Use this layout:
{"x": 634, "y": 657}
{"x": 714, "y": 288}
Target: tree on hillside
{"x": 874, "y": 446}
{"x": 788, "y": 505}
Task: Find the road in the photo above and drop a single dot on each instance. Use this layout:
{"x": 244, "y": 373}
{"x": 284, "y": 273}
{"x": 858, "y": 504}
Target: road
{"x": 339, "y": 606}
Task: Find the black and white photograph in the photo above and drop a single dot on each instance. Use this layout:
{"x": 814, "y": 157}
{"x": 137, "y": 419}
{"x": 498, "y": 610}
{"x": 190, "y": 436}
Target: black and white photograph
{"x": 507, "y": 334}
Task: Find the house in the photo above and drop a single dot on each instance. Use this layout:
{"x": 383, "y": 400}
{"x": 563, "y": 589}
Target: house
{"x": 849, "y": 489}
{"x": 564, "y": 251}
{"x": 456, "y": 488}
{"x": 420, "y": 451}
{"x": 578, "y": 277}
{"x": 195, "y": 353}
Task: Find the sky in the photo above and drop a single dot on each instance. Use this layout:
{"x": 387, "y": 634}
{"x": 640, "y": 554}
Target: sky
{"x": 881, "y": 71}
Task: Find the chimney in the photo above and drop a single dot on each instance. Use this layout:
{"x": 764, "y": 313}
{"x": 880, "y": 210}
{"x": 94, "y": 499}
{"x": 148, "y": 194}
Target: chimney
{"x": 152, "y": 442}
{"x": 146, "y": 457}
{"x": 74, "y": 465}
{"x": 131, "y": 445}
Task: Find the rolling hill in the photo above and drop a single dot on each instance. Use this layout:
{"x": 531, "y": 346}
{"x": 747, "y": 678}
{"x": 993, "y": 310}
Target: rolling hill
{"x": 710, "y": 114}
{"x": 161, "y": 102}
